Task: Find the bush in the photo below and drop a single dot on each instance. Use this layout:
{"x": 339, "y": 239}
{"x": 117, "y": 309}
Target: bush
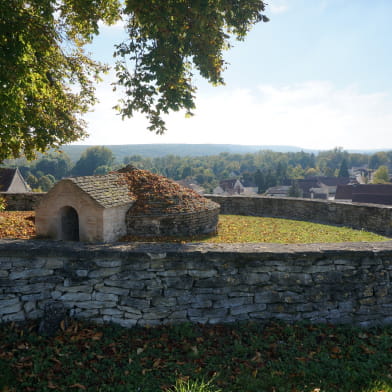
{"x": 3, "y": 203}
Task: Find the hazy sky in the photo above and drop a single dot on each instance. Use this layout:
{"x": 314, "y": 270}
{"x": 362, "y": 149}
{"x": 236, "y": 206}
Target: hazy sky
{"x": 318, "y": 75}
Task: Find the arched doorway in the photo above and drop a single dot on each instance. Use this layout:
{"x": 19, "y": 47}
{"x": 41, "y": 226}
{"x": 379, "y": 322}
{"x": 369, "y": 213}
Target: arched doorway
{"x": 69, "y": 224}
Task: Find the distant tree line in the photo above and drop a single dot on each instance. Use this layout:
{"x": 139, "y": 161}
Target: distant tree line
{"x": 262, "y": 169}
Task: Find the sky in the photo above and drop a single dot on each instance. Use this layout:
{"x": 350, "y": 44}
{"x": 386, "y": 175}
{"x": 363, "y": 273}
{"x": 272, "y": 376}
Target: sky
{"x": 317, "y": 76}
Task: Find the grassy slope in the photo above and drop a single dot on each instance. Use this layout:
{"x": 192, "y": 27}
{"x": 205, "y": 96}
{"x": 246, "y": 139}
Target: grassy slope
{"x": 237, "y": 228}
{"x": 238, "y": 358}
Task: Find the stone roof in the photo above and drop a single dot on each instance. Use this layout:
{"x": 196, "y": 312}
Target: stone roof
{"x": 150, "y": 193}
{"x": 6, "y": 177}
{"x": 107, "y": 190}
{"x": 157, "y": 195}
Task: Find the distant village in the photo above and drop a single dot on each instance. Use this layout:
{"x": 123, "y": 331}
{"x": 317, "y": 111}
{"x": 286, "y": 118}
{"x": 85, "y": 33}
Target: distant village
{"x": 358, "y": 187}
{"x": 330, "y": 175}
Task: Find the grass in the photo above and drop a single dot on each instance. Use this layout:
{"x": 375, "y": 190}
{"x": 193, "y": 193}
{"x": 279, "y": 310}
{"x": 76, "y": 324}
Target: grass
{"x": 231, "y": 229}
{"x": 249, "y": 357}
{"x": 250, "y": 229}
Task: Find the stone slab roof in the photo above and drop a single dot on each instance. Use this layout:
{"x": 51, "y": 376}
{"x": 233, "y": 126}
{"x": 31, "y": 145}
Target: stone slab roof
{"x": 107, "y": 190}
{"x": 6, "y": 177}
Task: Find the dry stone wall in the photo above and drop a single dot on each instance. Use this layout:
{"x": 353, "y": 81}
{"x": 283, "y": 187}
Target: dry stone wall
{"x": 140, "y": 284}
{"x": 179, "y": 224}
{"x": 370, "y": 217}
{"x": 22, "y": 201}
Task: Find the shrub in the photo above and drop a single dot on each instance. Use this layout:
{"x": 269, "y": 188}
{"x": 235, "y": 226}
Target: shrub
{"x": 3, "y": 203}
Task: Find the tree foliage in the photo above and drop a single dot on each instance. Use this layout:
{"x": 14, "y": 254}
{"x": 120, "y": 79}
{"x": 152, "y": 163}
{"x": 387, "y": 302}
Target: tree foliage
{"x": 91, "y": 159}
{"x": 47, "y": 79}
{"x": 381, "y": 175}
{"x": 343, "y": 170}
{"x": 169, "y": 40}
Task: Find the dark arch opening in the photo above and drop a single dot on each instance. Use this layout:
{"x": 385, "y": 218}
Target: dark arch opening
{"x": 69, "y": 224}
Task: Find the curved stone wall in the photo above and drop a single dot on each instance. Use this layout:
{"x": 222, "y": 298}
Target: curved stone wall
{"x": 140, "y": 284}
{"x": 22, "y": 201}
{"x": 179, "y": 224}
{"x": 370, "y": 217}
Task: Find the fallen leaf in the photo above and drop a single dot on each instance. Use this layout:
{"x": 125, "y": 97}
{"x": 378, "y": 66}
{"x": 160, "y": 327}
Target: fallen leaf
{"x": 80, "y": 386}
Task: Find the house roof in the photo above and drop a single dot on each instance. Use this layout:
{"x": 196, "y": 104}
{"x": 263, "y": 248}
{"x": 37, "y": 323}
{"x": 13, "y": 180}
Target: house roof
{"x": 107, "y": 190}
{"x": 367, "y": 193}
{"x": 334, "y": 181}
{"x": 344, "y": 192}
{"x": 281, "y": 190}
{"x": 373, "y": 193}
{"x": 6, "y": 177}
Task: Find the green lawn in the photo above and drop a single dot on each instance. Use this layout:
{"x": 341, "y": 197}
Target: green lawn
{"x": 238, "y": 228}
{"x": 243, "y": 358}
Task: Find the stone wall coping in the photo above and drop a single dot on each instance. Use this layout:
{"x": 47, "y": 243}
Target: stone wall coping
{"x": 319, "y": 201}
{"x": 52, "y": 248}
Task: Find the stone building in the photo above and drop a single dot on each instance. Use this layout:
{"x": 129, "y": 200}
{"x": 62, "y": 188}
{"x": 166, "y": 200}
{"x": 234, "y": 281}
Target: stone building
{"x": 128, "y": 202}
{"x": 12, "y": 181}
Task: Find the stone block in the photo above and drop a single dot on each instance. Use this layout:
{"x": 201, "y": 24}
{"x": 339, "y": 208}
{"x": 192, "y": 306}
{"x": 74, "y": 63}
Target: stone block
{"x": 56, "y": 294}
{"x": 104, "y": 297}
{"x": 308, "y": 307}
{"x": 111, "y": 312}
{"x": 172, "y": 273}
{"x": 31, "y": 263}
{"x": 125, "y": 284}
{"x": 19, "y": 316}
{"x": 29, "y": 306}
{"x": 82, "y": 273}
{"x": 94, "y": 304}
{"x": 7, "y": 300}
{"x": 137, "y": 303}
{"x": 232, "y": 302}
{"x": 255, "y": 278}
{"x": 12, "y": 308}
{"x": 36, "y": 296}
{"x": 267, "y": 297}
{"x": 54, "y": 263}
{"x": 75, "y": 297}
{"x": 184, "y": 282}
{"x": 30, "y": 273}
{"x": 130, "y": 310}
{"x": 252, "y": 308}
{"x": 111, "y": 290}
{"x": 108, "y": 263}
{"x": 103, "y": 272}
{"x": 156, "y": 314}
{"x": 164, "y": 301}
{"x": 178, "y": 315}
{"x": 202, "y": 274}
{"x": 197, "y": 302}
{"x": 85, "y": 288}
{"x": 83, "y": 313}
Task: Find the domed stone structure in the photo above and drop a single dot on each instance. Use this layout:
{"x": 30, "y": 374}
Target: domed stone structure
{"x": 164, "y": 208}
{"x": 127, "y": 202}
